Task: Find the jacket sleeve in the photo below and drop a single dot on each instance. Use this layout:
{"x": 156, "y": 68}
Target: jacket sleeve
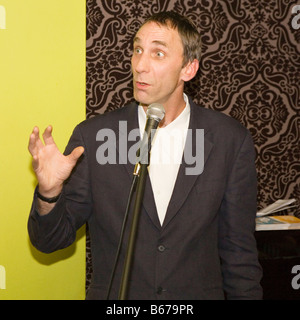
{"x": 237, "y": 245}
{"x": 57, "y": 229}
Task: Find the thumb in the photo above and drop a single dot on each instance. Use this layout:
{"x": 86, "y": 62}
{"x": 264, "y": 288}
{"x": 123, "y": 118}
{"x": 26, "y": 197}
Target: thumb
{"x": 75, "y": 154}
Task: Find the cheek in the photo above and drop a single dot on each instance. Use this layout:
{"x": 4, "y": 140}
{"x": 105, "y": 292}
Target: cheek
{"x": 132, "y": 63}
{"x": 168, "y": 77}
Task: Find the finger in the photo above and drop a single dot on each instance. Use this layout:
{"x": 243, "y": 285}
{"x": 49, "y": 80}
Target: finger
{"x": 34, "y": 141}
{"x": 47, "y": 135}
{"x": 75, "y": 154}
{"x": 31, "y": 145}
{"x": 35, "y": 162}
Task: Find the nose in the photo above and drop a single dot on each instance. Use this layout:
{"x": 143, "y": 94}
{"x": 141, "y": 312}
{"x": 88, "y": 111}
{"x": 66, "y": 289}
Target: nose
{"x": 140, "y": 63}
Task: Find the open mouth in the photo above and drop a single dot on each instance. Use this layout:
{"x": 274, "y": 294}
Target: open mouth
{"x": 141, "y": 85}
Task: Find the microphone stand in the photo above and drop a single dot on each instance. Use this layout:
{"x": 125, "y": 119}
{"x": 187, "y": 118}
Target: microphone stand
{"x": 140, "y": 170}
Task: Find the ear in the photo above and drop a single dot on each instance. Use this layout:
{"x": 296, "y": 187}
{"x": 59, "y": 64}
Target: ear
{"x": 189, "y": 70}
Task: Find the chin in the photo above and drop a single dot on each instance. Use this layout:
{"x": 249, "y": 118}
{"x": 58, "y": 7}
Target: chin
{"x": 143, "y": 102}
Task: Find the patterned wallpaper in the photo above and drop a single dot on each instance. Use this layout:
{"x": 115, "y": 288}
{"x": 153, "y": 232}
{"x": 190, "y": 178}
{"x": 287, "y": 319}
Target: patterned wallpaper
{"x": 250, "y": 70}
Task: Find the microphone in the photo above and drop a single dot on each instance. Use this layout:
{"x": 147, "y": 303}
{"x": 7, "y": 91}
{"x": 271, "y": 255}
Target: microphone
{"x": 155, "y": 113}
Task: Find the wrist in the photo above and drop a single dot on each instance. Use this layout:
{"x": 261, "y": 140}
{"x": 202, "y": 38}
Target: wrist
{"x": 49, "y": 196}
{"x": 46, "y": 199}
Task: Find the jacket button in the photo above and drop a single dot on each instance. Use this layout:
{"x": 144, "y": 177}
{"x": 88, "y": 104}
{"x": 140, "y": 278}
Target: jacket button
{"x": 159, "y": 290}
{"x": 161, "y": 248}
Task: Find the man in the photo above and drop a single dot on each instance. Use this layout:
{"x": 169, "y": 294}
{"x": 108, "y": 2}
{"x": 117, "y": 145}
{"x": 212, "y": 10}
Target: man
{"x": 195, "y": 233}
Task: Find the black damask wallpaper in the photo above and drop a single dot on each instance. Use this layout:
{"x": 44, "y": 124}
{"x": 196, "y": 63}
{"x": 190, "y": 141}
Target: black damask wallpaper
{"x": 250, "y": 70}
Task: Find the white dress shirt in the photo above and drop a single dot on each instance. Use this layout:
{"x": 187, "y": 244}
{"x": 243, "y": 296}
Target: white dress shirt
{"x": 166, "y": 156}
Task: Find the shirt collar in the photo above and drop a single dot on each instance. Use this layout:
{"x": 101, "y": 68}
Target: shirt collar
{"x": 181, "y": 121}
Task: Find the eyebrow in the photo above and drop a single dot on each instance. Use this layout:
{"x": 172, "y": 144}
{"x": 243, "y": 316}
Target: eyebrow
{"x": 158, "y": 42}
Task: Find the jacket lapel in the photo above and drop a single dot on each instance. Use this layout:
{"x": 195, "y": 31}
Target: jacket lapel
{"x": 185, "y": 182}
{"x": 132, "y": 124}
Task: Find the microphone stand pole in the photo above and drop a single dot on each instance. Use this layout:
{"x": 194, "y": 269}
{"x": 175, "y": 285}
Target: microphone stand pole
{"x": 141, "y": 171}
{"x": 142, "y": 174}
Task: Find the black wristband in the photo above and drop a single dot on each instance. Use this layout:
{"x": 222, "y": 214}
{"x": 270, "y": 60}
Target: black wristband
{"x": 49, "y": 200}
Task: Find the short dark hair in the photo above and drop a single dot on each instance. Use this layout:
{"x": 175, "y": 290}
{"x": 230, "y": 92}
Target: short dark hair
{"x": 188, "y": 33}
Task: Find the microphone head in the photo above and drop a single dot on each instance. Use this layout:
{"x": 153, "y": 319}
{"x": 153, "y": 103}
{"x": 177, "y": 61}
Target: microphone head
{"x": 156, "y": 112}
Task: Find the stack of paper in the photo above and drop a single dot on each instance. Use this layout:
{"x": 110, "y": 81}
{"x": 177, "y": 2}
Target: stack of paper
{"x": 277, "y": 223}
{"x": 265, "y": 220}
{"x": 277, "y": 206}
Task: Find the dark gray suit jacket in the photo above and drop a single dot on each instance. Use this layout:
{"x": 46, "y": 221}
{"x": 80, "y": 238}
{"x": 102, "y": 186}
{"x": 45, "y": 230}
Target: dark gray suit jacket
{"x": 205, "y": 248}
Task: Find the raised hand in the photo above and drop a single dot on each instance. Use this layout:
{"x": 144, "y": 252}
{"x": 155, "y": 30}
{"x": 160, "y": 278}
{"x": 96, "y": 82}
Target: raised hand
{"x": 51, "y": 167}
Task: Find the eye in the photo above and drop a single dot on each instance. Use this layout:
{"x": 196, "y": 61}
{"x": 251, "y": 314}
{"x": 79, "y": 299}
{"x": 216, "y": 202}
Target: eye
{"x": 160, "y": 54}
{"x": 138, "y": 50}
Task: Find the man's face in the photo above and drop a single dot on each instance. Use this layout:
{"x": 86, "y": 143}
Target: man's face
{"x": 157, "y": 65}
